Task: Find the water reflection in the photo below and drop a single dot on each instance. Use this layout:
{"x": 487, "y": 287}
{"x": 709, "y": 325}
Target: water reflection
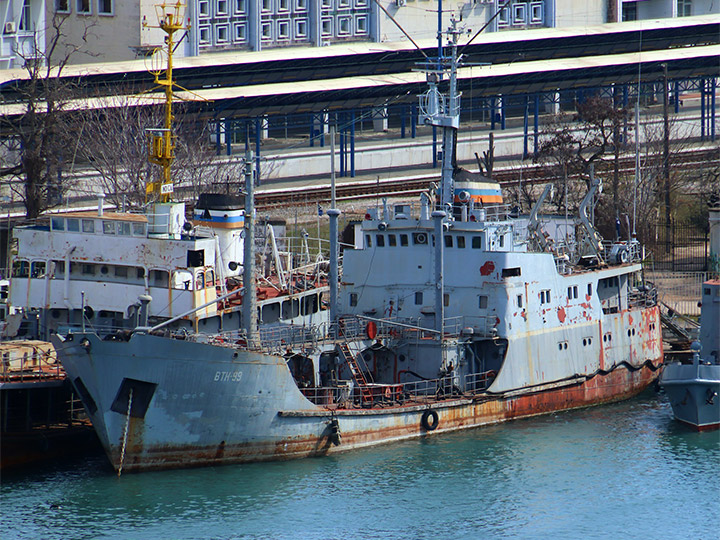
{"x": 594, "y": 473}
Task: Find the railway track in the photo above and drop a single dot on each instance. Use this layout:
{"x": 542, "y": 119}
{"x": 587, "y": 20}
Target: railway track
{"x": 412, "y": 185}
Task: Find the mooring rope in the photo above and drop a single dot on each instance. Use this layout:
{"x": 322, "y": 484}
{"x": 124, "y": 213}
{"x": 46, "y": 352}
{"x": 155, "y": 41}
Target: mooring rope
{"x": 125, "y": 433}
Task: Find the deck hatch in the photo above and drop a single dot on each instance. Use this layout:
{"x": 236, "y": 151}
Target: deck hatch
{"x": 142, "y": 393}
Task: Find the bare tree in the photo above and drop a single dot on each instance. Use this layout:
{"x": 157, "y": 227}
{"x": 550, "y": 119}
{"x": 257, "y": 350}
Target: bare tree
{"x": 573, "y": 142}
{"x": 37, "y": 135}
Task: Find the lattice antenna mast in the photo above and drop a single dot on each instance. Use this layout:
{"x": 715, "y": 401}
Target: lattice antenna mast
{"x": 443, "y": 110}
{"x": 161, "y": 143}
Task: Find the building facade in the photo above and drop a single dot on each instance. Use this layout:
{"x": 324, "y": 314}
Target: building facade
{"x": 114, "y": 30}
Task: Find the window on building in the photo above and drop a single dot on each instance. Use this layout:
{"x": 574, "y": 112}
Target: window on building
{"x": 684, "y": 8}
{"x": 105, "y": 7}
{"x": 519, "y": 14}
{"x": 266, "y": 31}
{"x": 204, "y": 8}
{"x": 326, "y": 26}
{"x": 221, "y": 34}
{"x": 361, "y": 25}
{"x": 266, "y": 5}
{"x": 283, "y": 5}
{"x": 26, "y": 16}
{"x": 62, "y": 6}
{"x": 301, "y": 5}
{"x": 536, "y": 12}
{"x": 283, "y": 29}
{"x": 221, "y": 7}
{"x": 83, "y": 7}
{"x": 326, "y": 4}
{"x": 240, "y": 33}
{"x": 300, "y": 28}
{"x": 344, "y": 26}
{"x": 240, "y": 6}
{"x": 504, "y": 17}
{"x": 204, "y": 33}
{"x": 629, "y": 11}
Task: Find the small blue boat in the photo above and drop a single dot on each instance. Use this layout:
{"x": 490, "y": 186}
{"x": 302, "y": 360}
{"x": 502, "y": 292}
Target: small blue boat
{"x": 693, "y": 387}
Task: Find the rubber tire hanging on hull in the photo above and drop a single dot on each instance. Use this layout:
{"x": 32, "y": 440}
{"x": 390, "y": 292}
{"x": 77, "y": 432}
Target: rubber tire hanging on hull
{"x": 429, "y": 420}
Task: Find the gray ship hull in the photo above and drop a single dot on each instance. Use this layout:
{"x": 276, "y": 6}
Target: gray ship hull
{"x": 693, "y": 391}
{"x": 195, "y": 404}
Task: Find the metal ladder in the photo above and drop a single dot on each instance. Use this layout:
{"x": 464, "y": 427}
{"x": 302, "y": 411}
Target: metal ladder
{"x": 357, "y": 373}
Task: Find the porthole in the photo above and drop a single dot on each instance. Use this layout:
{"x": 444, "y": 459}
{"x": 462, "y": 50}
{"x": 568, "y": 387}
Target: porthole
{"x": 584, "y": 342}
{"x": 565, "y": 345}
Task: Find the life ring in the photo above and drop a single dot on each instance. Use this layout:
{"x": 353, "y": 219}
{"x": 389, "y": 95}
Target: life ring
{"x": 388, "y": 393}
{"x": 429, "y": 420}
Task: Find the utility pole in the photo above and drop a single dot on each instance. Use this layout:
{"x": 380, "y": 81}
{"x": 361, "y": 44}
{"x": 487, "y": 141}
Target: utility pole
{"x": 666, "y": 158}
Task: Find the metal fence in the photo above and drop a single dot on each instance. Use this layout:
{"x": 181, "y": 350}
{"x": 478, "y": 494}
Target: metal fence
{"x": 680, "y": 246}
{"x": 679, "y": 290}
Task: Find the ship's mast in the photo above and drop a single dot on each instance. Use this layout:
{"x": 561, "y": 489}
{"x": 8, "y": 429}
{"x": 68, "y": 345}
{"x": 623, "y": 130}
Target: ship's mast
{"x": 161, "y": 148}
{"x": 443, "y": 110}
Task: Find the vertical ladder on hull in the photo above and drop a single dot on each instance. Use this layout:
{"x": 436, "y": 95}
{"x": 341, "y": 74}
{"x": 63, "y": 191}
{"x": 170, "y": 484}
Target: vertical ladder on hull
{"x": 357, "y": 373}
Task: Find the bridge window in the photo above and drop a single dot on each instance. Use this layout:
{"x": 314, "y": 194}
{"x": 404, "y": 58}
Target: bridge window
{"x": 403, "y": 239}
{"x": 160, "y": 278}
{"x": 448, "y": 241}
{"x": 57, "y": 224}
{"x": 138, "y": 229}
{"x": 392, "y": 240}
{"x": 73, "y": 224}
{"x": 380, "y": 239}
{"x": 21, "y": 269}
{"x": 290, "y": 308}
{"x": 310, "y": 304}
{"x": 460, "y": 240}
{"x": 271, "y": 312}
{"x": 108, "y": 227}
{"x": 511, "y": 272}
{"x": 38, "y": 269}
{"x": 368, "y": 241}
{"x": 123, "y": 229}
{"x": 88, "y": 226}
{"x": 477, "y": 242}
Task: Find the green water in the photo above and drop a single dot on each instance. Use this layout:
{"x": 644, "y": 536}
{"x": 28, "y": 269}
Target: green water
{"x": 624, "y": 471}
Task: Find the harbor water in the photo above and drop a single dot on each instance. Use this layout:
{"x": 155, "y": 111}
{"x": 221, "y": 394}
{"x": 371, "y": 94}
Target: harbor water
{"x": 621, "y": 471}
